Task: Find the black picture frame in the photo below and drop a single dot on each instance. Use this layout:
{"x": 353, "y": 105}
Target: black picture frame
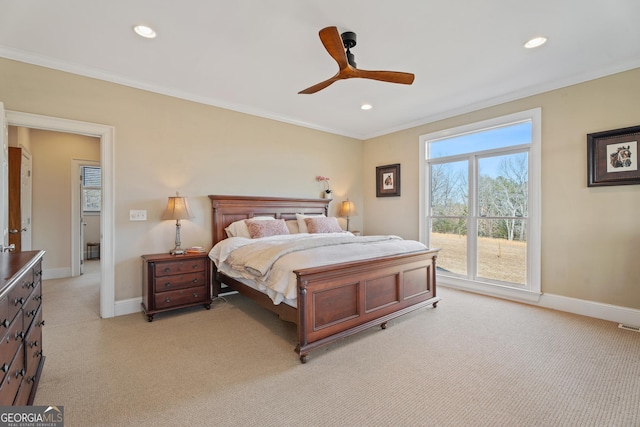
{"x": 612, "y": 157}
{"x": 388, "y": 180}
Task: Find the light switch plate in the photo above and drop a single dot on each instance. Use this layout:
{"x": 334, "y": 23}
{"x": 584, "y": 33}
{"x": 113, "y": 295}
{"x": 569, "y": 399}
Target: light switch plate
{"x": 137, "y": 215}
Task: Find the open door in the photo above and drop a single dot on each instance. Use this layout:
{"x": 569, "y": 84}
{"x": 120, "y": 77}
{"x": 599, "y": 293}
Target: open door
{"x": 19, "y": 198}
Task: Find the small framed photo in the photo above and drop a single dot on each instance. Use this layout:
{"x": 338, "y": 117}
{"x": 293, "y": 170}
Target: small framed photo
{"x": 612, "y": 157}
{"x": 388, "y": 180}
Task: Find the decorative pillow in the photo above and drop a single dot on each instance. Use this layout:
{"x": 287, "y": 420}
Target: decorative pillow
{"x": 323, "y": 225}
{"x": 239, "y": 228}
{"x": 302, "y": 226}
{"x": 259, "y": 228}
{"x": 292, "y": 225}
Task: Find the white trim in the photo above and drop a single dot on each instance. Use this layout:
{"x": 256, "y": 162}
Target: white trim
{"x": 56, "y": 273}
{"x": 107, "y": 157}
{"x": 597, "y": 310}
{"x": 128, "y": 306}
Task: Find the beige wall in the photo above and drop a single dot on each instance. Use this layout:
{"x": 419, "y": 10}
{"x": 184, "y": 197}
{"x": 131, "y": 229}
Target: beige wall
{"x": 164, "y": 145}
{"x": 590, "y": 236}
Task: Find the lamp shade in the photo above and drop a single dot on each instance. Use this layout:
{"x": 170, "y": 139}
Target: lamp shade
{"x": 177, "y": 208}
{"x": 347, "y": 208}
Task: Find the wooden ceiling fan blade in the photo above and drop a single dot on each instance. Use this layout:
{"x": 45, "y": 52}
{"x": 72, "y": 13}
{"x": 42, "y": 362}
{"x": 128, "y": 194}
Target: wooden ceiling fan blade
{"x": 386, "y": 76}
{"x": 317, "y": 87}
{"x": 332, "y": 41}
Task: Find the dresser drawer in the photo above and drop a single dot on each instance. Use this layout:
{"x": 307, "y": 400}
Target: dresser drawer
{"x": 19, "y": 294}
{"x": 179, "y": 281}
{"x": 12, "y": 380}
{"x": 179, "y": 267}
{"x": 11, "y": 341}
{"x": 4, "y": 315}
{"x": 181, "y": 297}
{"x": 32, "y": 305}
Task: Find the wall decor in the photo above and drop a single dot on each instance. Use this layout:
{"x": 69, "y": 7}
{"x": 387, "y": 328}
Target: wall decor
{"x": 612, "y": 157}
{"x": 388, "y": 180}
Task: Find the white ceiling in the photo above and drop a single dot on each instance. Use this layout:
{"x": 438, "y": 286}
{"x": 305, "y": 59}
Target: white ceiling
{"x": 254, "y": 56}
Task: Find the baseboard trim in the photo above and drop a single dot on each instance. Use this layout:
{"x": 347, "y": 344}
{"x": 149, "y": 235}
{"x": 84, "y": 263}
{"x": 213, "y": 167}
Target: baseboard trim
{"x": 613, "y": 313}
{"x": 128, "y": 306}
{"x": 56, "y": 273}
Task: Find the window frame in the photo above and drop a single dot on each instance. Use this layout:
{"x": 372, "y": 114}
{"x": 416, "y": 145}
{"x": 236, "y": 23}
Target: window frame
{"x": 532, "y": 290}
{"x": 86, "y": 210}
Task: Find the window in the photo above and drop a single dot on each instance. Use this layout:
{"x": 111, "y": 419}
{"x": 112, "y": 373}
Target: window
{"x": 480, "y": 204}
{"x": 91, "y": 188}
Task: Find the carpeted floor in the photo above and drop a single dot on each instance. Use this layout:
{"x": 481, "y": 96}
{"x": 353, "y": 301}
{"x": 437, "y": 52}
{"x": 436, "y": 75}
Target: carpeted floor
{"x": 472, "y": 361}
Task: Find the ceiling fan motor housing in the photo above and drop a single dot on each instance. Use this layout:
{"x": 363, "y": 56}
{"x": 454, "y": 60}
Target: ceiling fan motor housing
{"x": 349, "y": 41}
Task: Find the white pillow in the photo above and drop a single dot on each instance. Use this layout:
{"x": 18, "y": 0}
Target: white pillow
{"x": 302, "y": 226}
{"x": 239, "y": 228}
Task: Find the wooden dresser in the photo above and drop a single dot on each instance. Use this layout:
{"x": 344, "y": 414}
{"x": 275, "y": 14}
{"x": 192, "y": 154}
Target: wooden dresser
{"x": 21, "y": 323}
{"x": 175, "y": 281}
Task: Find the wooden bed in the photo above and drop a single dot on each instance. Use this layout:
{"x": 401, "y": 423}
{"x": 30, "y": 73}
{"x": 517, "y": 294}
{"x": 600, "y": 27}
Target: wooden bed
{"x": 337, "y": 300}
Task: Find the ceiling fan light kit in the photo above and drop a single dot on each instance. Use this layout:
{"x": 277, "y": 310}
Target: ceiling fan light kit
{"x": 339, "y": 47}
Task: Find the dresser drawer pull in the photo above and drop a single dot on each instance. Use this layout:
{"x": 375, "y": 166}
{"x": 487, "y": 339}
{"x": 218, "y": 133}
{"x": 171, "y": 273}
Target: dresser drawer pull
{"x": 19, "y": 335}
{"x": 167, "y": 300}
{"x": 31, "y": 379}
{"x": 5, "y": 367}
{"x": 20, "y": 372}
{"x": 5, "y": 323}
{"x": 33, "y": 344}
{"x": 167, "y": 269}
{"x": 167, "y": 285}
{"x": 37, "y": 297}
{"x": 41, "y": 323}
{"x": 195, "y": 295}
{"x": 194, "y": 266}
{"x": 19, "y": 301}
{"x": 37, "y": 353}
{"x": 195, "y": 280}
{"x": 32, "y": 312}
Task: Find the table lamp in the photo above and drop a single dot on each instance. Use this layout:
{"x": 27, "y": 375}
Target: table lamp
{"x": 177, "y": 208}
{"x": 347, "y": 209}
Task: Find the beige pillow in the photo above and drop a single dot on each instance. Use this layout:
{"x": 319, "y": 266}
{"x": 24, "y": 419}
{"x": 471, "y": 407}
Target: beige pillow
{"x": 323, "y": 225}
{"x": 292, "y": 225}
{"x": 267, "y": 228}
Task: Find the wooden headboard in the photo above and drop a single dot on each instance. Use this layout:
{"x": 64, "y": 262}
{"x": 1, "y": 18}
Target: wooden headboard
{"x": 227, "y": 209}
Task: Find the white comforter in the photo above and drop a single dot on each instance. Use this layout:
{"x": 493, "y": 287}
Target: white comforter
{"x": 269, "y": 262}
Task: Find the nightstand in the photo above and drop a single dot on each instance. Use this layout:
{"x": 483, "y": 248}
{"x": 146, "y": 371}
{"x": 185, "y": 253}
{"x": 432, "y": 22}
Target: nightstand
{"x": 175, "y": 281}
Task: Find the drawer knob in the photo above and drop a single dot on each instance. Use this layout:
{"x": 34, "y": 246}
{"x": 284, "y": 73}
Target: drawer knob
{"x": 195, "y": 280}
{"x": 195, "y": 295}
{"x": 167, "y": 269}
{"x": 33, "y": 344}
{"x": 5, "y": 367}
{"x": 5, "y": 323}
{"x": 41, "y": 323}
{"x": 167, "y": 300}
{"x": 194, "y": 266}
{"x": 19, "y": 335}
{"x": 167, "y": 285}
{"x": 20, "y": 373}
{"x": 19, "y": 300}
{"x": 37, "y": 353}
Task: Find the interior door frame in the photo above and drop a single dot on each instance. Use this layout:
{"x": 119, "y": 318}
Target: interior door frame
{"x": 77, "y": 215}
{"x": 106, "y": 134}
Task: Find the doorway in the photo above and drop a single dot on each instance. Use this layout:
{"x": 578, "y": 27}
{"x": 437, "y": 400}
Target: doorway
{"x": 106, "y": 136}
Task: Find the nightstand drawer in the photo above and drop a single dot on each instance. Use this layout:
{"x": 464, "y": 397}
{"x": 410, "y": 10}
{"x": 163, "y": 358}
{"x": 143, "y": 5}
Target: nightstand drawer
{"x": 181, "y": 296}
{"x": 178, "y": 267}
{"x": 179, "y": 281}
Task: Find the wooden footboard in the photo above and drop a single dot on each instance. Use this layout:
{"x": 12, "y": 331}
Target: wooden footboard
{"x": 340, "y": 300}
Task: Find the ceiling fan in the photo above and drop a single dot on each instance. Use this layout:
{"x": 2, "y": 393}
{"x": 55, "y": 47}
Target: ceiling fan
{"x": 336, "y": 43}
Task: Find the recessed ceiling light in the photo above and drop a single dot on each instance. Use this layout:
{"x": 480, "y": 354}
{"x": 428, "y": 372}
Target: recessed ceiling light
{"x": 144, "y": 31}
{"x": 366, "y": 107}
{"x": 535, "y": 42}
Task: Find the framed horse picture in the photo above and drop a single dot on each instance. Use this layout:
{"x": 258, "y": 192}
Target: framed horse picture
{"x": 388, "y": 180}
{"x": 612, "y": 157}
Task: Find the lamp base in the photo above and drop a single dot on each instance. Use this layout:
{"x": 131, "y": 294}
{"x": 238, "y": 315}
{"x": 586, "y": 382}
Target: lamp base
{"x": 177, "y": 251}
